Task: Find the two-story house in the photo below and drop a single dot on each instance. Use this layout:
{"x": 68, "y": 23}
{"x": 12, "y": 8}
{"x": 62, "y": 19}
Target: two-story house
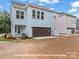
{"x": 34, "y": 20}
{"x": 30, "y": 19}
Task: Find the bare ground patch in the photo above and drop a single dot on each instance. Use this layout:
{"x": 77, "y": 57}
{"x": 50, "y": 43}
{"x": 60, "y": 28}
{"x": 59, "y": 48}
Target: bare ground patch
{"x": 56, "y": 48}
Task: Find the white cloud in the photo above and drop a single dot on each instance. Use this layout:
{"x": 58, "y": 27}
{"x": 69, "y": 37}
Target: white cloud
{"x": 8, "y": 4}
{"x": 75, "y": 4}
{"x": 43, "y": 1}
{"x": 52, "y": 8}
{"x": 73, "y": 10}
{"x": 74, "y": 7}
{"x": 49, "y": 1}
{"x": 1, "y": 7}
{"x": 23, "y": 0}
{"x": 77, "y": 14}
{"x": 41, "y": 4}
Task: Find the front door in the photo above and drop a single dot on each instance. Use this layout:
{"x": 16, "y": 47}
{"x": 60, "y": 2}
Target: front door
{"x": 17, "y": 29}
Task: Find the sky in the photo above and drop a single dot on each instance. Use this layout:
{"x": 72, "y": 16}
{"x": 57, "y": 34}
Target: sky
{"x": 66, "y": 6}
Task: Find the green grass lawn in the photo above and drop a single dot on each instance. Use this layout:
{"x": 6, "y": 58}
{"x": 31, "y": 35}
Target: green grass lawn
{"x": 3, "y": 39}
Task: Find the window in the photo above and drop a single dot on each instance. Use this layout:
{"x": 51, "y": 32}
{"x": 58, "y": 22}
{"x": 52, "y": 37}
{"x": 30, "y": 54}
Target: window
{"x": 42, "y": 15}
{"x": 33, "y": 14}
{"x": 54, "y": 17}
{"x": 19, "y": 14}
{"x": 38, "y": 14}
{"x": 22, "y": 15}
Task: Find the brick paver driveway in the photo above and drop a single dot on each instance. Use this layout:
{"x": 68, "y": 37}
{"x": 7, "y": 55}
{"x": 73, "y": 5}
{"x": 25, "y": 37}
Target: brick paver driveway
{"x": 56, "y": 48}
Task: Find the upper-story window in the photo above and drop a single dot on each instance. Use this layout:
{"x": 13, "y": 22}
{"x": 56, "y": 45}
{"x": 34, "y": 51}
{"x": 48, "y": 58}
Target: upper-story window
{"x": 33, "y": 14}
{"x": 22, "y": 15}
{"x": 42, "y": 15}
{"x": 38, "y": 14}
{"x": 19, "y": 14}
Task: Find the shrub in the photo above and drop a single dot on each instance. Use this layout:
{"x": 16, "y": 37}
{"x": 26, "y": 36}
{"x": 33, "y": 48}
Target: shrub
{"x": 8, "y": 36}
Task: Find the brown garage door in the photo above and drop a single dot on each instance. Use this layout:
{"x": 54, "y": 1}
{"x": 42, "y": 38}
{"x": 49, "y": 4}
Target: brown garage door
{"x": 39, "y": 31}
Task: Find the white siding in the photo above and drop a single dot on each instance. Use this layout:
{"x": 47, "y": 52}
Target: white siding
{"x": 62, "y": 22}
{"x": 29, "y": 22}
{"x": 47, "y": 22}
{"x": 58, "y": 25}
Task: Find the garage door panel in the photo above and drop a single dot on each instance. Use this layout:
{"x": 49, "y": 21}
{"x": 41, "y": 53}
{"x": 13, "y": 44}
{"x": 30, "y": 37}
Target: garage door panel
{"x": 38, "y": 31}
{"x": 35, "y": 31}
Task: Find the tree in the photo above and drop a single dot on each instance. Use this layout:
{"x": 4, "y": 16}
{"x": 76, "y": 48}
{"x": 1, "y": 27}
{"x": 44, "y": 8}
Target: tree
{"x": 5, "y": 23}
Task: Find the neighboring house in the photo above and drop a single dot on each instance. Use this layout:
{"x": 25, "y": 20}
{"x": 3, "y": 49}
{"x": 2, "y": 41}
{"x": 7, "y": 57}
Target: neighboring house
{"x": 34, "y": 20}
{"x": 64, "y": 24}
{"x": 77, "y": 25}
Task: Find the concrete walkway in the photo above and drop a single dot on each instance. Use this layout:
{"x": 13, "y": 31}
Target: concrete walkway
{"x": 45, "y": 37}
